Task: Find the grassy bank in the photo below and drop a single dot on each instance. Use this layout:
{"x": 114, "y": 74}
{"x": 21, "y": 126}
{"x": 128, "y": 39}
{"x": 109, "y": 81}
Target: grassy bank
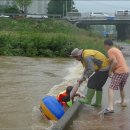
{"x": 127, "y": 41}
{"x": 50, "y": 38}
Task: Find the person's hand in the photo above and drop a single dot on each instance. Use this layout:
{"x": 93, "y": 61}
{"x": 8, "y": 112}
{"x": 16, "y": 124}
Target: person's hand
{"x": 110, "y": 74}
{"x": 78, "y": 94}
{"x": 81, "y": 95}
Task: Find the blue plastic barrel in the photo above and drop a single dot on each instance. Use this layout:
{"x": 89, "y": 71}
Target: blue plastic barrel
{"x": 51, "y": 108}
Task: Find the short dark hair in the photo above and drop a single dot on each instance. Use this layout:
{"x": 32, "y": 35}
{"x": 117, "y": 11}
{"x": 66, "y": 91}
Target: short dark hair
{"x": 69, "y": 89}
{"x": 108, "y": 42}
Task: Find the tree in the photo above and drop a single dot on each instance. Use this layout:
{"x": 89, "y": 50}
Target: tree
{"x": 60, "y": 6}
{"x": 9, "y": 9}
{"x": 23, "y": 4}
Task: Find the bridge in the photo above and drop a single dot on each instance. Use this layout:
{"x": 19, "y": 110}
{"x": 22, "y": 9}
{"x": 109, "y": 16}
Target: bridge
{"x": 122, "y": 24}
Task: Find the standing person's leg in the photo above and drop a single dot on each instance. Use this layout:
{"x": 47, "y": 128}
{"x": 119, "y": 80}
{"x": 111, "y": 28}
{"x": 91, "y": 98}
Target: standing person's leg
{"x": 122, "y": 91}
{"x": 110, "y": 108}
{"x": 90, "y": 92}
{"x": 102, "y": 77}
{"x": 89, "y": 96}
{"x": 122, "y": 94}
{"x": 98, "y": 101}
{"x": 117, "y": 83}
{"x": 110, "y": 99}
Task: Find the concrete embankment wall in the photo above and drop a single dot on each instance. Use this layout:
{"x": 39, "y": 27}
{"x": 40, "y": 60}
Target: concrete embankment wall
{"x": 67, "y": 118}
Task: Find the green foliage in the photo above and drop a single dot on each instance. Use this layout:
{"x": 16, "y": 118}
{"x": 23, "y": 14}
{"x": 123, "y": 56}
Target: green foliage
{"x": 127, "y": 41}
{"x": 59, "y": 6}
{"x": 23, "y": 4}
{"x": 47, "y": 44}
{"x": 29, "y": 25}
{"x": 49, "y": 38}
{"x": 9, "y": 9}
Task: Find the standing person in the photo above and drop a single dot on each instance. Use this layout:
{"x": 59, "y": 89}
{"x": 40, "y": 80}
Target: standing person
{"x": 96, "y": 69}
{"x": 119, "y": 73}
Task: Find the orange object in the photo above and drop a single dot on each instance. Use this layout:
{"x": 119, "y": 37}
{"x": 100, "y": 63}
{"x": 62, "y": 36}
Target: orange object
{"x": 121, "y": 66}
{"x": 60, "y": 96}
{"x": 47, "y": 112}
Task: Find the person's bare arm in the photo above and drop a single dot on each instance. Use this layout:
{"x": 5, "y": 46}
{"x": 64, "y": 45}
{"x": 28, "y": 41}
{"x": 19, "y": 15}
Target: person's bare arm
{"x": 113, "y": 63}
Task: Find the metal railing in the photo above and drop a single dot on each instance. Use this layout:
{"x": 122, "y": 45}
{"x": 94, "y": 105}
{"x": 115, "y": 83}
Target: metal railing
{"x": 99, "y": 18}
{"x": 29, "y": 15}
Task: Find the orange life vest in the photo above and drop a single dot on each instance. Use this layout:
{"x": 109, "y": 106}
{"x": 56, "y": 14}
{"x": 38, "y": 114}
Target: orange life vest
{"x": 60, "y": 96}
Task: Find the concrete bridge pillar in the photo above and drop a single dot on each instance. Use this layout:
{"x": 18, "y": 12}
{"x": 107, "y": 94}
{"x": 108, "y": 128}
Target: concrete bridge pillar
{"x": 123, "y": 31}
{"x": 128, "y": 32}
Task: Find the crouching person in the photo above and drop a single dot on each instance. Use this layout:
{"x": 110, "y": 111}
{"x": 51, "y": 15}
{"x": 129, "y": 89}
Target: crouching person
{"x": 96, "y": 67}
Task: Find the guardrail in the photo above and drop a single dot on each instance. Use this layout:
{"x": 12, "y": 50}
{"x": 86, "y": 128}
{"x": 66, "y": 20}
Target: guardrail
{"x": 13, "y": 15}
{"x": 99, "y": 18}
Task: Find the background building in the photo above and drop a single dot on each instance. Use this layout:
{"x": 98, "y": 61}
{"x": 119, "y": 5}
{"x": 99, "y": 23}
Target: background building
{"x": 37, "y": 6}
{"x": 5, "y": 2}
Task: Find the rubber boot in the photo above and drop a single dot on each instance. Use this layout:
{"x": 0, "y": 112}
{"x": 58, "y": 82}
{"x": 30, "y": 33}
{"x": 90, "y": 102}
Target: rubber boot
{"x": 98, "y": 99}
{"x": 89, "y": 96}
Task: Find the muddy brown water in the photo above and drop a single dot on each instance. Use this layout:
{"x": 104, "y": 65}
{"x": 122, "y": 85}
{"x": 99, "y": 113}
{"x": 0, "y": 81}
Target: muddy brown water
{"x": 23, "y": 83}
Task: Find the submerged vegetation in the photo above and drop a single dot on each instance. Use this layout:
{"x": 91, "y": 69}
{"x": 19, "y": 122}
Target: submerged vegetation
{"x": 49, "y": 38}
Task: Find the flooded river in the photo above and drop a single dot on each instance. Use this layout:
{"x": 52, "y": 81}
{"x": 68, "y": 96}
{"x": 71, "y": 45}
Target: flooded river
{"x": 23, "y": 82}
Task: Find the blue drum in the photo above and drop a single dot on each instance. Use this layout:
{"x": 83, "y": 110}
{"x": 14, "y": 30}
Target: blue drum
{"x": 51, "y": 108}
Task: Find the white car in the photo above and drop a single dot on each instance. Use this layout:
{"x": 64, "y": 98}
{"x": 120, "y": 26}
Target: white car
{"x": 4, "y": 16}
{"x": 45, "y": 16}
{"x": 98, "y": 14}
{"x": 36, "y": 16}
{"x": 122, "y": 13}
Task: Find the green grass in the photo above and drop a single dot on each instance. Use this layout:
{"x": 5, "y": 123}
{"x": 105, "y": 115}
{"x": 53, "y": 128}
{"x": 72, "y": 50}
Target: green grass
{"x": 41, "y": 26}
{"x": 49, "y": 38}
{"x": 127, "y": 41}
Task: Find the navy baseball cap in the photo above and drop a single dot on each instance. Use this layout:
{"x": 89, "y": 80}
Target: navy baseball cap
{"x": 108, "y": 42}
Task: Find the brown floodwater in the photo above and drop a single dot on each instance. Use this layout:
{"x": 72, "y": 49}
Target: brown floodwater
{"x": 23, "y": 83}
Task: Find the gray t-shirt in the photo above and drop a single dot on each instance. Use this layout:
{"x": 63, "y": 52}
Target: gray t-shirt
{"x": 91, "y": 61}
